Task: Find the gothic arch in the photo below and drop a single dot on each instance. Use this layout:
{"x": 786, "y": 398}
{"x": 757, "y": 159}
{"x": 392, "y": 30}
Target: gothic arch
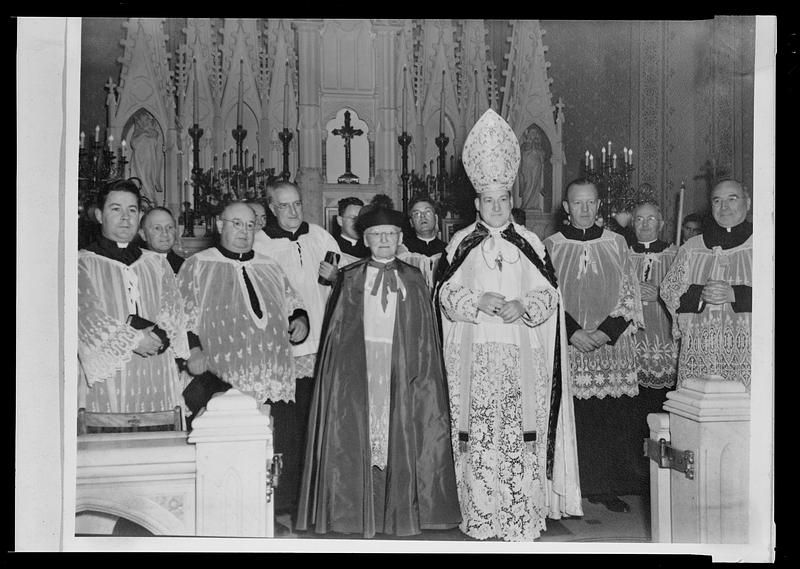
{"x": 143, "y": 511}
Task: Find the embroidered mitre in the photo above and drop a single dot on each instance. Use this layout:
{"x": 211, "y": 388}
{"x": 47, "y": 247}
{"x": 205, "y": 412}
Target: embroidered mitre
{"x": 491, "y": 154}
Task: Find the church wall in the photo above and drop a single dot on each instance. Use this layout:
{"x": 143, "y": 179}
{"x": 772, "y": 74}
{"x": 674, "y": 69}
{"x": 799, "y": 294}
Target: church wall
{"x": 679, "y": 93}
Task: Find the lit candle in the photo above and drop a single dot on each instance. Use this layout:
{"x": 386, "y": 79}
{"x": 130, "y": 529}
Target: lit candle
{"x": 124, "y": 165}
{"x": 286, "y": 98}
{"x": 241, "y": 86}
{"x": 614, "y": 161}
{"x": 603, "y": 157}
{"x": 97, "y": 133}
{"x": 587, "y": 158}
{"x": 110, "y": 141}
{"x": 195, "y": 113}
{"x": 261, "y": 164}
{"x": 441, "y": 109}
{"x": 404, "y": 98}
{"x": 223, "y": 160}
{"x": 609, "y": 148}
{"x": 83, "y": 138}
{"x": 254, "y": 161}
{"x": 625, "y": 155}
{"x": 591, "y": 162}
{"x": 630, "y": 156}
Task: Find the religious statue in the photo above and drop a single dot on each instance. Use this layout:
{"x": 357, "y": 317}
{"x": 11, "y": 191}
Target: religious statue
{"x": 147, "y": 159}
{"x": 531, "y": 171}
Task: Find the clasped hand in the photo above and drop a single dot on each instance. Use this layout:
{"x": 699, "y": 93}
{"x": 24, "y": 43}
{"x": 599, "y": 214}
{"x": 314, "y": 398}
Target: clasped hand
{"x": 495, "y": 304}
{"x": 149, "y": 344}
{"x": 717, "y": 292}
{"x": 588, "y": 340}
{"x": 298, "y": 329}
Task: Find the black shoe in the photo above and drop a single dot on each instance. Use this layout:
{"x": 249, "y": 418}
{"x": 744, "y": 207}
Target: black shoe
{"x": 612, "y": 503}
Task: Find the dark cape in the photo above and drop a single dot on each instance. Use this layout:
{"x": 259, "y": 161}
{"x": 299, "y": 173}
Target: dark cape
{"x": 336, "y": 491}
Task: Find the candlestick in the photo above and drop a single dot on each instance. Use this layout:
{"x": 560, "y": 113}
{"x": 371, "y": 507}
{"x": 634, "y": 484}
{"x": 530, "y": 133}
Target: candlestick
{"x": 286, "y": 97}
{"x": 404, "y": 98}
{"x": 630, "y": 157}
{"x": 679, "y": 221}
{"x": 603, "y": 153}
{"x": 625, "y": 155}
{"x": 230, "y": 157}
{"x": 195, "y": 113}
{"x": 97, "y": 133}
{"x": 441, "y": 109}
{"x": 246, "y": 156}
{"x": 214, "y": 162}
{"x": 591, "y": 162}
{"x": 83, "y": 138}
{"x": 254, "y": 161}
{"x": 614, "y": 161}
{"x": 223, "y": 160}
{"x": 609, "y": 148}
{"x": 241, "y": 85}
{"x": 587, "y": 158}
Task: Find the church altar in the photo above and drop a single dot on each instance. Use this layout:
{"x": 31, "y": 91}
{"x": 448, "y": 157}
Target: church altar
{"x": 221, "y": 108}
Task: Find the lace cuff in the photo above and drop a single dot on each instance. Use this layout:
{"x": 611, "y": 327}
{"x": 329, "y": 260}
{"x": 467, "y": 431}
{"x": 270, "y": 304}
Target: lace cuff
{"x": 539, "y": 305}
{"x": 459, "y": 303}
{"x": 108, "y": 352}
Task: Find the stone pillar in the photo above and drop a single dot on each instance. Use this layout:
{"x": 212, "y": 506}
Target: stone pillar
{"x": 309, "y": 173}
{"x": 386, "y": 170}
{"x": 711, "y": 417}
{"x": 234, "y": 445}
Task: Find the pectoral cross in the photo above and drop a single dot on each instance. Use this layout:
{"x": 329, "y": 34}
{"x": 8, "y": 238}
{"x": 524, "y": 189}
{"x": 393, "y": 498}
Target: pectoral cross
{"x": 347, "y": 132}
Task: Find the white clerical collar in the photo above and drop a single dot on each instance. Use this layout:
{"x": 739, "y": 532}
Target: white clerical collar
{"x": 346, "y": 238}
{"x": 647, "y": 243}
{"x": 427, "y": 241}
{"x": 497, "y": 230}
{"x": 122, "y": 245}
{"x": 382, "y": 261}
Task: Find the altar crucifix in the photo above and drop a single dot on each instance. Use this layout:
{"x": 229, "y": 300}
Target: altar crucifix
{"x": 347, "y": 132}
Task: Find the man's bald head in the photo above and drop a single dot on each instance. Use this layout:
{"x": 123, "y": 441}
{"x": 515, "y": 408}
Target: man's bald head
{"x": 158, "y": 229}
{"x": 729, "y": 203}
{"x": 237, "y": 226}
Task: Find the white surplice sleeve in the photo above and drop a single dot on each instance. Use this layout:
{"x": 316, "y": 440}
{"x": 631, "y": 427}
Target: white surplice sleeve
{"x": 105, "y": 343}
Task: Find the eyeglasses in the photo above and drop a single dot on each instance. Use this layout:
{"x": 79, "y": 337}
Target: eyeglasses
{"x": 285, "y": 206}
{"x": 423, "y": 213}
{"x": 238, "y": 224}
{"x": 382, "y": 234}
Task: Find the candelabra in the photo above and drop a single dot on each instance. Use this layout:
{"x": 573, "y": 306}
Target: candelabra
{"x": 97, "y": 165}
{"x": 613, "y": 181}
{"x": 404, "y": 140}
{"x": 196, "y": 133}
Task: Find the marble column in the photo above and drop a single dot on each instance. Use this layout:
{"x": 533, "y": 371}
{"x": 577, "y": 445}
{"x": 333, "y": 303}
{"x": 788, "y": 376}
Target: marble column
{"x": 309, "y": 173}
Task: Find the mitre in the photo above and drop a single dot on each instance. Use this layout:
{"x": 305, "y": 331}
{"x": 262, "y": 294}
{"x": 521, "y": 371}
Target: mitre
{"x": 491, "y": 154}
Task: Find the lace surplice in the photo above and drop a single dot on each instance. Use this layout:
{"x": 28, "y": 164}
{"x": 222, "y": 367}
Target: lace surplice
{"x": 253, "y": 354}
{"x": 598, "y": 280}
{"x": 657, "y": 352}
{"x": 114, "y": 379}
{"x": 717, "y": 340}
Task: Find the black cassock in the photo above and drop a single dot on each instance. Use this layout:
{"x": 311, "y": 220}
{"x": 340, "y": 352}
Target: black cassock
{"x": 417, "y": 491}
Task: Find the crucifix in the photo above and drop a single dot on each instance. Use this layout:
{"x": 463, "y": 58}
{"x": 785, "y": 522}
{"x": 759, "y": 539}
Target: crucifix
{"x": 347, "y": 132}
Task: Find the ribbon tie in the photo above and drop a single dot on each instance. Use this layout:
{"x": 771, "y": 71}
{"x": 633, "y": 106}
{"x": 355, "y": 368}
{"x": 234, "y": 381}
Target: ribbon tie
{"x": 386, "y": 277}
